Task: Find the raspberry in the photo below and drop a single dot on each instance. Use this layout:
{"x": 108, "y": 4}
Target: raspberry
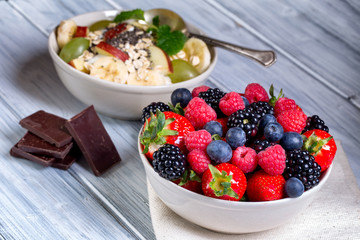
{"x": 245, "y": 158}
{"x": 230, "y": 103}
{"x": 197, "y": 140}
{"x": 199, "y": 113}
{"x": 283, "y": 104}
{"x": 198, "y": 160}
{"x": 293, "y": 120}
{"x": 273, "y": 160}
{"x": 254, "y": 92}
{"x": 195, "y": 92}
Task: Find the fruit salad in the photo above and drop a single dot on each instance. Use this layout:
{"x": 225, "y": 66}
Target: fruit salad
{"x": 128, "y": 50}
{"x": 250, "y": 146}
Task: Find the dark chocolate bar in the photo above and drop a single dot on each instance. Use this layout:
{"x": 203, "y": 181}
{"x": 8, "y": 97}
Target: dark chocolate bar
{"x": 48, "y": 127}
{"x": 93, "y": 140}
{"x": 33, "y": 144}
{"x": 43, "y": 160}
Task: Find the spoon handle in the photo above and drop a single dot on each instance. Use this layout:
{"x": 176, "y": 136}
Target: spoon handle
{"x": 266, "y": 58}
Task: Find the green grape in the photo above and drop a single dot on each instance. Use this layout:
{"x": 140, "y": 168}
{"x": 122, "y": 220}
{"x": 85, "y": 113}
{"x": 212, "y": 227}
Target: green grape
{"x": 74, "y": 49}
{"x": 99, "y": 25}
{"x": 182, "y": 71}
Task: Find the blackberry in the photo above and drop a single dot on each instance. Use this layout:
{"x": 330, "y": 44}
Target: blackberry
{"x": 262, "y": 108}
{"x": 259, "y": 145}
{"x": 246, "y": 119}
{"x": 212, "y": 97}
{"x": 302, "y": 165}
{"x": 315, "y": 122}
{"x": 152, "y": 108}
{"x": 169, "y": 162}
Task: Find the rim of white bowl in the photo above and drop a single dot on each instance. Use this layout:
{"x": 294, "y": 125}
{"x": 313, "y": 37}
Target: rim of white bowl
{"x": 117, "y": 86}
{"x": 223, "y": 203}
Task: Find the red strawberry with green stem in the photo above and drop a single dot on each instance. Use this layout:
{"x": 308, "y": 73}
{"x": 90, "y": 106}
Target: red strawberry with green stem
{"x": 190, "y": 181}
{"x": 164, "y": 127}
{"x": 224, "y": 181}
{"x": 321, "y": 145}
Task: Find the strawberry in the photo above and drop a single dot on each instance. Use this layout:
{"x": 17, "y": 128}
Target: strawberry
{"x": 264, "y": 187}
{"x": 164, "y": 127}
{"x": 190, "y": 181}
{"x": 321, "y": 145}
{"x": 224, "y": 181}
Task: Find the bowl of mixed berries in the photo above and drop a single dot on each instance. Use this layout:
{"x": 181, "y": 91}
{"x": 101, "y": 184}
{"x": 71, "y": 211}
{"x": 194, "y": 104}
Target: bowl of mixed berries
{"x": 234, "y": 162}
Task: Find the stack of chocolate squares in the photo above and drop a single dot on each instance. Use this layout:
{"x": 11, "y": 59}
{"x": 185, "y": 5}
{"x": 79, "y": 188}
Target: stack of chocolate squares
{"x": 54, "y": 141}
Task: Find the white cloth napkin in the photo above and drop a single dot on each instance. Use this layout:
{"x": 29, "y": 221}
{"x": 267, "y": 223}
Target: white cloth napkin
{"x": 334, "y": 214}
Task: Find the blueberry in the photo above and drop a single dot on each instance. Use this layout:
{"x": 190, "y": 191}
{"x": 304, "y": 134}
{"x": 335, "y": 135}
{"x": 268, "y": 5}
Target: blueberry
{"x": 273, "y": 131}
{"x": 246, "y": 102}
{"x": 235, "y": 137}
{"x": 219, "y": 151}
{"x": 291, "y": 141}
{"x": 294, "y": 187}
{"x": 182, "y": 96}
{"x": 214, "y": 127}
{"x": 267, "y": 118}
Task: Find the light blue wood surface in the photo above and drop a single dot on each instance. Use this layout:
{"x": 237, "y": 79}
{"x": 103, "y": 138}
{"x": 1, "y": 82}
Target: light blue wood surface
{"x": 318, "y": 65}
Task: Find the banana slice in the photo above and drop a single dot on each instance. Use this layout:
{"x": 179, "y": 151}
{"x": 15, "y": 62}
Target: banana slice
{"x": 151, "y": 78}
{"x": 198, "y": 54}
{"x": 110, "y": 69}
{"x": 65, "y": 32}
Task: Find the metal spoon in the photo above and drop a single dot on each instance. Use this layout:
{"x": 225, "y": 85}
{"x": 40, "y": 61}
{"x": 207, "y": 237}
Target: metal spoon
{"x": 166, "y": 16}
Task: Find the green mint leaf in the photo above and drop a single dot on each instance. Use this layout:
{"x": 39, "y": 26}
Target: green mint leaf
{"x": 156, "y": 21}
{"x": 136, "y": 14}
{"x": 170, "y": 42}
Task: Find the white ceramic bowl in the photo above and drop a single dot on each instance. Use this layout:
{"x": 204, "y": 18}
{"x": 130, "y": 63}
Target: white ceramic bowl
{"x": 114, "y": 99}
{"x": 228, "y": 216}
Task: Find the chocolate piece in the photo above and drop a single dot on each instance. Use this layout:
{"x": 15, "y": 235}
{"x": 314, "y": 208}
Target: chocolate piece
{"x": 93, "y": 140}
{"x": 33, "y": 144}
{"x": 65, "y": 163}
{"x": 45, "y": 161}
{"x": 48, "y": 127}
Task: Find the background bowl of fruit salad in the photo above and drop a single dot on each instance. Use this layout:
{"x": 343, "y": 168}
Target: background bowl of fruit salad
{"x": 114, "y": 61}
{"x": 234, "y": 162}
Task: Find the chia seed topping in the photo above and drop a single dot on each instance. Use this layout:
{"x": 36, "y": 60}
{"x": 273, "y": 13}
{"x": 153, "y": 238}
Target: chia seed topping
{"x": 131, "y": 36}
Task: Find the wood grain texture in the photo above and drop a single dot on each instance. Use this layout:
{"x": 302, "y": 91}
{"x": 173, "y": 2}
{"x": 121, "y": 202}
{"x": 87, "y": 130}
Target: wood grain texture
{"x": 34, "y": 199}
{"x": 318, "y": 36}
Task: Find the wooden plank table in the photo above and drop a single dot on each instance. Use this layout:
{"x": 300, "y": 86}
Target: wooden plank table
{"x": 318, "y": 65}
